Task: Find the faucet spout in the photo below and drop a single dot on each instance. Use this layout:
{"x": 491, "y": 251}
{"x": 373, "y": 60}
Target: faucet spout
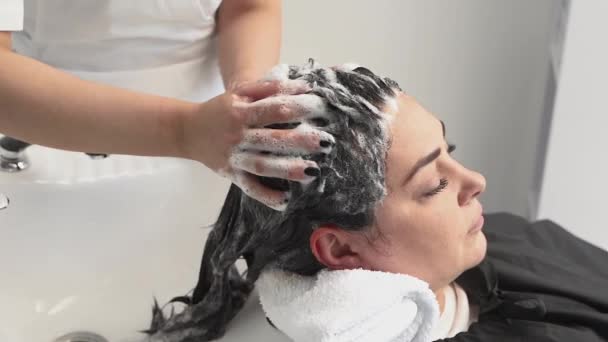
{"x": 13, "y": 158}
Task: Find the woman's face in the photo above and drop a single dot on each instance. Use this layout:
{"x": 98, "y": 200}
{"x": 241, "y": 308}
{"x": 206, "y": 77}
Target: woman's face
{"x": 430, "y": 221}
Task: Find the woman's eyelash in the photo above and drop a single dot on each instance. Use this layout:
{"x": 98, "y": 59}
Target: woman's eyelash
{"x": 451, "y": 148}
{"x": 443, "y": 183}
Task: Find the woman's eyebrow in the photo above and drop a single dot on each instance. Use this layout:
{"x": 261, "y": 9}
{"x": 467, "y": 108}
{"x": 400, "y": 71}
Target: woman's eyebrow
{"x": 425, "y": 160}
{"x": 422, "y": 163}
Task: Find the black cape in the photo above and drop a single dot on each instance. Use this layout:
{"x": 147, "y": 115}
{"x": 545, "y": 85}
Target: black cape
{"x": 538, "y": 282}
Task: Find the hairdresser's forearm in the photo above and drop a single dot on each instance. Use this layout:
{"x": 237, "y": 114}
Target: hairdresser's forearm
{"x": 42, "y": 105}
{"x": 249, "y": 38}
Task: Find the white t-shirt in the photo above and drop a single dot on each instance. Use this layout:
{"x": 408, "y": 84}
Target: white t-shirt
{"x": 457, "y": 314}
{"x": 163, "y": 47}
{"x": 11, "y": 15}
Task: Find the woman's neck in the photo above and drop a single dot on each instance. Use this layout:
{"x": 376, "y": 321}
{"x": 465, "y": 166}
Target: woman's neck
{"x": 440, "y": 294}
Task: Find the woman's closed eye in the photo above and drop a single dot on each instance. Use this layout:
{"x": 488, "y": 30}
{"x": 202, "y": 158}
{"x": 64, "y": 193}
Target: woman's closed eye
{"x": 443, "y": 183}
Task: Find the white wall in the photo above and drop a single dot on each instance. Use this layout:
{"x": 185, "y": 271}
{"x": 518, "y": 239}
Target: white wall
{"x": 575, "y": 182}
{"x": 480, "y": 65}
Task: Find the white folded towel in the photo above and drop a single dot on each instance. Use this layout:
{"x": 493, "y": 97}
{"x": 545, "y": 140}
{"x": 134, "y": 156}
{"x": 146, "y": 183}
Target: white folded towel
{"x": 349, "y": 306}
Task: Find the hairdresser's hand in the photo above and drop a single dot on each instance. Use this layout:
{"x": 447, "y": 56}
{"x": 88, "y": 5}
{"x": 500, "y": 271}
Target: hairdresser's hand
{"x": 230, "y": 135}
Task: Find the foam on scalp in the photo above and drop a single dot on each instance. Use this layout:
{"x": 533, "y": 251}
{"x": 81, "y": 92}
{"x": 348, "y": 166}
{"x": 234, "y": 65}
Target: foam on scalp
{"x": 353, "y": 92}
{"x": 346, "y": 102}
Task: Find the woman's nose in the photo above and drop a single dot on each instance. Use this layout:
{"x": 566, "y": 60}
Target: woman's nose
{"x": 473, "y": 184}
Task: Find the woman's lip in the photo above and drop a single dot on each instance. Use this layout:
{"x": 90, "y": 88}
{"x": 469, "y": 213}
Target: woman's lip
{"x": 478, "y": 225}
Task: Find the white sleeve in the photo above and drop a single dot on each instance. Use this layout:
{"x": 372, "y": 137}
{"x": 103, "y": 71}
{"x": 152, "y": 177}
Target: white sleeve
{"x": 11, "y": 15}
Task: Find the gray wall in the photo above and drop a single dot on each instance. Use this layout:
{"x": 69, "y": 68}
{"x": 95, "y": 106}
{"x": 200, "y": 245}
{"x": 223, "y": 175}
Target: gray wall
{"x": 574, "y": 187}
{"x": 480, "y": 65}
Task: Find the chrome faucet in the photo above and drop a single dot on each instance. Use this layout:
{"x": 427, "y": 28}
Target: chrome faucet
{"x": 13, "y": 158}
{"x": 12, "y": 155}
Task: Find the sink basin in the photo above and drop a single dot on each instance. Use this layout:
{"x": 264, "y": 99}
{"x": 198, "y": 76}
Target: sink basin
{"x": 86, "y": 245}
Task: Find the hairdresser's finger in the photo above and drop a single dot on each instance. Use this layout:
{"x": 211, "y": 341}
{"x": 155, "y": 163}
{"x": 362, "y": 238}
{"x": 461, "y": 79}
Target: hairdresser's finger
{"x": 289, "y": 168}
{"x": 280, "y": 109}
{"x": 303, "y": 140}
{"x": 262, "y": 89}
{"x": 274, "y": 199}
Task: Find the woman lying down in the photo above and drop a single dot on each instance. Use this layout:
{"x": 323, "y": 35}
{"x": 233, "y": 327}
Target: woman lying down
{"x": 389, "y": 242}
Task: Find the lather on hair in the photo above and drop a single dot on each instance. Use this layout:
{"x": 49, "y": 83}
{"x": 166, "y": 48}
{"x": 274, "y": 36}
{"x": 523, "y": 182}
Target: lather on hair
{"x": 350, "y": 103}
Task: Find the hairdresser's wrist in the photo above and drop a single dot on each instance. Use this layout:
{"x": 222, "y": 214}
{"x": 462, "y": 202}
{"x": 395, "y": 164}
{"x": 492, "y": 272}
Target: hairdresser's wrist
{"x": 209, "y": 131}
{"x": 184, "y": 117}
{"x": 242, "y": 76}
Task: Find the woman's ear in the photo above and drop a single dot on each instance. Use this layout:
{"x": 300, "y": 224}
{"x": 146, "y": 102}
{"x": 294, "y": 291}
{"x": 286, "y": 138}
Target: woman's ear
{"x": 336, "y": 248}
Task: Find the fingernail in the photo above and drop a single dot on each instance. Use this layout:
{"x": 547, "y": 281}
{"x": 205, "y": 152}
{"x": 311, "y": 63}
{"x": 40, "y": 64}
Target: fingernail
{"x": 312, "y": 171}
{"x": 325, "y": 143}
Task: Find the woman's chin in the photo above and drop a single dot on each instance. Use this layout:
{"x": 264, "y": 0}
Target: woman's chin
{"x": 481, "y": 247}
{"x": 476, "y": 251}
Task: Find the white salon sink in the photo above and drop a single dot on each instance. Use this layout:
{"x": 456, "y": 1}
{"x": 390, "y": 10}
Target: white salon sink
{"x": 85, "y": 245}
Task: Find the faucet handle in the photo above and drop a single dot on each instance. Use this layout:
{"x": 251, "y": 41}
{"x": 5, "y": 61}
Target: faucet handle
{"x": 97, "y": 155}
{"x": 13, "y": 163}
{"x": 13, "y": 145}
{"x": 12, "y": 158}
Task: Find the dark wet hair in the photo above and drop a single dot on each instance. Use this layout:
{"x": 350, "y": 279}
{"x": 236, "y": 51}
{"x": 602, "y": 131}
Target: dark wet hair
{"x": 345, "y": 195}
